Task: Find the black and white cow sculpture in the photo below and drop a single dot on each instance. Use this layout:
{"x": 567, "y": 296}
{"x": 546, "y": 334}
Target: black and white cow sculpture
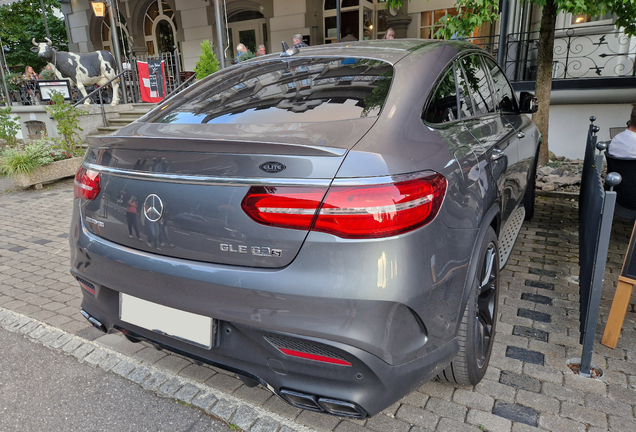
{"x": 83, "y": 69}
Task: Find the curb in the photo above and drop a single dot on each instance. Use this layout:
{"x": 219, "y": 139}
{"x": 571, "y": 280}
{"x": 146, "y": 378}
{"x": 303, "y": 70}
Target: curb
{"x": 232, "y": 410}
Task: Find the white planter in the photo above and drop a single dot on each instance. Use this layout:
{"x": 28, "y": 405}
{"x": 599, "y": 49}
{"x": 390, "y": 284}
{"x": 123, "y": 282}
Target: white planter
{"x": 48, "y": 173}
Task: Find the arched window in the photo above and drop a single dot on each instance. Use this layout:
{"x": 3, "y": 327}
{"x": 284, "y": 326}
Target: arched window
{"x": 160, "y": 29}
{"x": 125, "y": 42}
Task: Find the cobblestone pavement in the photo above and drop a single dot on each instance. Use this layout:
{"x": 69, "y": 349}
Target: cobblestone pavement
{"x": 528, "y": 385}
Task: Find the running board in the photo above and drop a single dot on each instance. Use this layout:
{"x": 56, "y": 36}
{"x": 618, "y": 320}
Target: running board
{"x": 509, "y": 234}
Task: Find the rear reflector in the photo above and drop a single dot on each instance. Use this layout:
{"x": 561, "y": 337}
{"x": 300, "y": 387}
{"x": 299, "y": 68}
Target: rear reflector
{"x": 315, "y": 357}
{"x": 87, "y": 184}
{"x": 367, "y": 211}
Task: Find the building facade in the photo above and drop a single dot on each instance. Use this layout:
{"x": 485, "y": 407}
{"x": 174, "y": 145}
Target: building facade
{"x": 155, "y": 26}
{"x": 590, "y": 51}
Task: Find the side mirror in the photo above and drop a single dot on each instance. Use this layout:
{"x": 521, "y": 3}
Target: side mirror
{"x": 529, "y": 103}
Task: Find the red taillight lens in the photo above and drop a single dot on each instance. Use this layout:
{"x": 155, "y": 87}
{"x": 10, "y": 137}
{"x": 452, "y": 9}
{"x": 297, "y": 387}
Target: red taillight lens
{"x": 87, "y": 184}
{"x": 350, "y": 211}
{"x": 286, "y": 207}
{"x": 381, "y": 210}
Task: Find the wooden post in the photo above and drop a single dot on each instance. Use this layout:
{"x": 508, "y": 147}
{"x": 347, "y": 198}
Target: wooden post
{"x": 626, "y": 282}
{"x": 617, "y": 313}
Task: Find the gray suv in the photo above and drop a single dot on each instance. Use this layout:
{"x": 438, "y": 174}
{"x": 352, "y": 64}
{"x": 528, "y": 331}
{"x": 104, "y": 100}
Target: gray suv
{"x": 329, "y": 223}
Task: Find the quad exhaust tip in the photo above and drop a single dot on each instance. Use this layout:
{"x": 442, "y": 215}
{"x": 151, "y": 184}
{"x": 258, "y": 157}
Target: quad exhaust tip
{"x": 320, "y": 404}
{"x": 96, "y": 323}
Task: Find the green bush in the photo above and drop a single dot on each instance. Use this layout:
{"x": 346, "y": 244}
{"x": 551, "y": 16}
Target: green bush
{"x": 9, "y": 127}
{"x": 25, "y": 161}
{"x": 14, "y": 80}
{"x": 246, "y": 56}
{"x": 67, "y": 118}
{"x": 207, "y": 64}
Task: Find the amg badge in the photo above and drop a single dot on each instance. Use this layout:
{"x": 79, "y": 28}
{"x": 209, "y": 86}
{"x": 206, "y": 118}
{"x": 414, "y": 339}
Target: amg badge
{"x": 253, "y": 250}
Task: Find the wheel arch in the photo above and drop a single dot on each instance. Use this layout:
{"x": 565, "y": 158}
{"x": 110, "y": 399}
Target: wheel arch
{"x": 491, "y": 219}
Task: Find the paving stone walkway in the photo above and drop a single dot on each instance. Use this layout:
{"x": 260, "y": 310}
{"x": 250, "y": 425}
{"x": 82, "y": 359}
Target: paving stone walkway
{"x": 528, "y": 386}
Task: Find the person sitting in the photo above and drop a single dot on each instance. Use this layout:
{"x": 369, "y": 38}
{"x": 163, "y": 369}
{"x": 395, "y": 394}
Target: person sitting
{"x": 623, "y": 145}
{"x": 31, "y": 85}
{"x": 390, "y": 34}
{"x": 29, "y": 74}
{"x": 47, "y": 73}
{"x": 349, "y": 37}
{"x": 298, "y": 41}
{"x": 242, "y": 49}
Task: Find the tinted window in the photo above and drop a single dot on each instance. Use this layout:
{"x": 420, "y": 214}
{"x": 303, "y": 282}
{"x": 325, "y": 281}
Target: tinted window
{"x": 289, "y": 91}
{"x": 466, "y": 108}
{"x": 505, "y": 95}
{"x": 478, "y": 82}
{"x": 442, "y": 107}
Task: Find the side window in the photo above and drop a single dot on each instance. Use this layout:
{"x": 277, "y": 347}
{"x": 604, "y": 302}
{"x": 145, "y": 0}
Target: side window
{"x": 477, "y": 79}
{"x": 442, "y": 107}
{"x": 504, "y": 93}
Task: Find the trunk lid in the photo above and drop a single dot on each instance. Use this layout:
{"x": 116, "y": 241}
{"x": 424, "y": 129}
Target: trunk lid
{"x": 195, "y": 177}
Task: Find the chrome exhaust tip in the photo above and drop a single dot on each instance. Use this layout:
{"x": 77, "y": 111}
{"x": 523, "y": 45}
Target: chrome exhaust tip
{"x": 95, "y": 323}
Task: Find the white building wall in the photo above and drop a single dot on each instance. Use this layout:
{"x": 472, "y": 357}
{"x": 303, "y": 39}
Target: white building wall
{"x": 569, "y": 124}
{"x": 288, "y": 20}
{"x": 426, "y": 5}
{"x": 77, "y": 22}
{"x": 196, "y": 26}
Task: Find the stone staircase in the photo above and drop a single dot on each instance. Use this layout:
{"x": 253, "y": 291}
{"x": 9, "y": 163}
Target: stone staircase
{"x": 125, "y": 118}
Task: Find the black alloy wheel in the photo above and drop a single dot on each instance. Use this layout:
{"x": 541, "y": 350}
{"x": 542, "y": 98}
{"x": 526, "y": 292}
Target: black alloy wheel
{"x": 477, "y": 329}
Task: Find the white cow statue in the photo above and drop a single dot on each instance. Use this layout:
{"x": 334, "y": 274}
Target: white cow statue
{"x": 83, "y": 69}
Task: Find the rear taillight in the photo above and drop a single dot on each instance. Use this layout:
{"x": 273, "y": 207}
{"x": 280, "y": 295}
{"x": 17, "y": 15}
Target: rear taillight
{"x": 87, "y": 184}
{"x": 286, "y": 207}
{"x": 369, "y": 211}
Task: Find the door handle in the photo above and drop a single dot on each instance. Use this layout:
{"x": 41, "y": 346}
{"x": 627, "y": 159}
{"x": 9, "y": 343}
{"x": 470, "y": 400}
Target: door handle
{"x": 520, "y": 134}
{"x": 497, "y": 153}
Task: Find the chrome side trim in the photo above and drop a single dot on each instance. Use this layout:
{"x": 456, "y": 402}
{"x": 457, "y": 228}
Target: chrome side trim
{"x": 254, "y": 181}
{"x": 208, "y": 180}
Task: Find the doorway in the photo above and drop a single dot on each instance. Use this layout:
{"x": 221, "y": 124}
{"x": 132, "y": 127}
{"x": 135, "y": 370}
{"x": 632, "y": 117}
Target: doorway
{"x": 249, "y": 33}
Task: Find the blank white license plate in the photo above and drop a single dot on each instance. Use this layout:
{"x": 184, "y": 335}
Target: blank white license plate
{"x": 182, "y": 325}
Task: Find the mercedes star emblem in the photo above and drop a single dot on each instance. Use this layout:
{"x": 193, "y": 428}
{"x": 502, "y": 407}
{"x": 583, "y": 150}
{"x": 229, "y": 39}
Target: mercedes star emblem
{"x": 153, "y": 208}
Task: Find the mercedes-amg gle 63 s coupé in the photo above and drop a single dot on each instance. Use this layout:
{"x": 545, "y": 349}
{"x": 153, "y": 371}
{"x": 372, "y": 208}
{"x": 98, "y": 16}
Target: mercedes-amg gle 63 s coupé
{"x": 329, "y": 222}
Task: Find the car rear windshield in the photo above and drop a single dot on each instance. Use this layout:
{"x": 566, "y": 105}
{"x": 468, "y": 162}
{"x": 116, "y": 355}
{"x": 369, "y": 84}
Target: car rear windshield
{"x": 288, "y": 91}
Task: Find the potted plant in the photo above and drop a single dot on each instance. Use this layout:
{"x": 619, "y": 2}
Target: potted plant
{"x": 38, "y": 162}
{"x": 42, "y": 161}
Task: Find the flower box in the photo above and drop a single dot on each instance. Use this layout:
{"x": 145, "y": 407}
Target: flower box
{"x": 48, "y": 173}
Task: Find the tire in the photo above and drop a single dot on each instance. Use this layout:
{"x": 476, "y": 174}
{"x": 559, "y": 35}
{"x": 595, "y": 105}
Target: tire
{"x": 477, "y": 329}
{"x": 528, "y": 197}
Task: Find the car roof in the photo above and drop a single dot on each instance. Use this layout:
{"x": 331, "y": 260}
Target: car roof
{"x": 388, "y": 50}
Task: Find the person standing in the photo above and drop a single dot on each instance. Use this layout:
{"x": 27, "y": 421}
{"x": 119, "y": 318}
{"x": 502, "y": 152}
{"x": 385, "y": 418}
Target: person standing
{"x": 260, "y": 51}
{"x": 298, "y": 41}
{"x": 390, "y": 34}
{"x": 131, "y": 217}
{"x": 623, "y": 145}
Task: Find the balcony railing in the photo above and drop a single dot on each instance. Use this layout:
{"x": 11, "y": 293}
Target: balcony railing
{"x": 580, "y": 53}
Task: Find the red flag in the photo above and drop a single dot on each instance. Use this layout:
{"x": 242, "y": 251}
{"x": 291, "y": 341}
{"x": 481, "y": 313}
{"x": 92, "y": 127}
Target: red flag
{"x": 151, "y": 86}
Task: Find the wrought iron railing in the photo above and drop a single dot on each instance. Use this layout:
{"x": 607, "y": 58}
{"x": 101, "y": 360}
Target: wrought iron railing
{"x": 580, "y": 53}
{"x": 174, "y": 79}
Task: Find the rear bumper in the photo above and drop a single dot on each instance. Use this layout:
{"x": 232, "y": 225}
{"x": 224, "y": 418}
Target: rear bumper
{"x": 396, "y": 336}
{"x": 369, "y": 383}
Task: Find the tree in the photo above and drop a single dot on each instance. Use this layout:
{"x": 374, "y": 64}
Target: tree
{"x": 474, "y": 13}
{"x": 207, "y": 64}
{"x": 22, "y": 21}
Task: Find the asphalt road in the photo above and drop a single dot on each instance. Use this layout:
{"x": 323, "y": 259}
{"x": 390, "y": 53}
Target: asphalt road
{"x": 43, "y": 390}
